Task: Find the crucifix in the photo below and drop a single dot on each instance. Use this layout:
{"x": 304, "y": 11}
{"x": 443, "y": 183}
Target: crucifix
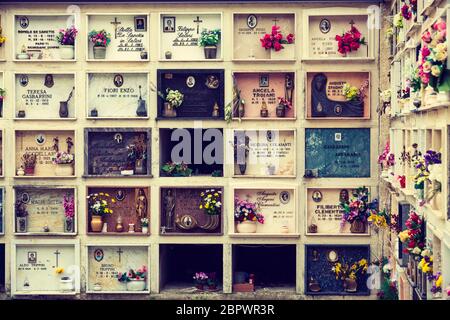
{"x": 120, "y": 254}
{"x": 57, "y": 253}
{"x": 351, "y": 23}
{"x": 275, "y": 20}
{"x": 198, "y": 21}
{"x": 115, "y": 23}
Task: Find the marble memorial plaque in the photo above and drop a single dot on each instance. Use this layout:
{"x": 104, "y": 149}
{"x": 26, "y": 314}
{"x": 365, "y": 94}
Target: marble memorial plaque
{"x": 105, "y": 262}
{"x": 41, "y": 143}
{"x": 276, "y": 205}
{"x": 2, "y": 218}
{"x": 129, "y": 36}
{"x": 45, "y": 207}
{"x": 269, "y": 153}
{"x": 325, "y": 96}
{"x": 40, "y": 95}
{"x": 2, "y": 267}
{"x": 36, "y": 266}
{"x": 117, "y": 95}
{"x": 37, "y": 35}
{"x": 180, "y": 35}
{"x": 256, "y": 88}
{"x": 339, "y": 153}
{"x": 250, "y": 28}
{"x": 323, "y": 30}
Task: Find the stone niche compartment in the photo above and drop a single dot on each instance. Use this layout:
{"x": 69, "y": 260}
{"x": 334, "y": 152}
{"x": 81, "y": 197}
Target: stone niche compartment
{"x": 42, "y": 144}
{"x": 2, "y": 216}
{"x": 45, "y": 96}
{"x": 1, "y": 153}
{"x": 131, "y": 204}
{"x": 106, "y": 153}
{"x": 324, "y": 211}
{"x": 180, "y": 262}
{"x": 321, "y": 30}
{"x": 2, "y": 267}
{"x": 261, "y": 261}
{"x": 256, "y": 88}
{"x": 321, "y": 280}
{"x": 249, "y": 28}
{"x": 117, "y": 95}
{"x": 325, "y": 99}
{"x": 34, "y": 266}
{"x": 278, "y": 205}
{"x": 179, "y": 146}
{"x": 106, "y": 261}
{"x": 46, "y": 212}
{"x": 203, "y": 90}
{"x": 129, "y": 36}
{"x": 2, "y": 87}
{"x": 262, "y": 153}
{"x": 181, "y": 213}
{"x": 337, "y": 153}
{"x": 180, "y": 34}
{"x": 36, "y": 35}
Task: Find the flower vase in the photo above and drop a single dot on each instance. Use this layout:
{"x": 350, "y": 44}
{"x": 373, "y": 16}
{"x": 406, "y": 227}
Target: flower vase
{"x": 96, "y": 223}
{"x": 246, "y": 227}
{"x": 210, "y": 52}
{"x": 242, "y": 168}
{"x": 287, "y": 53}
{"x": 29, "y": 171}
{"x": 68, "y": 225}
{"x": 66, "y": 52}
{"x": 21, "y": 224}
{"x": 350, "y": 285}
{"x": 241, "y": 110}
{"x": 358, "y": 226}
{"x": 63, "y": 109}
{"x": 169, "y": 111}
{"x": 136, "y": 285}
{"x": 66, "y": 284}
{"x": 139, "y": 167}
{"x": 64, "y": 169}
{"x": 145, "y": 230}
{"x": 99, "y": 52}
{"x": 280, "y": 111}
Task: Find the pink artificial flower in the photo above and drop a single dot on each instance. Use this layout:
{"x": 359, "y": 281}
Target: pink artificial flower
{"x": 290, "y": 38}
{"x": 426, "y": 37}
{"x": 440, "y": 25}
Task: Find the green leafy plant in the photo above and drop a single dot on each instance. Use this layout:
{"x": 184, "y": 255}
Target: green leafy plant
{"x": 2, "y": 93}
{"x": 174, "y": 97}
{"x": 173, "y": 169}
{"x": 209, "y": 37}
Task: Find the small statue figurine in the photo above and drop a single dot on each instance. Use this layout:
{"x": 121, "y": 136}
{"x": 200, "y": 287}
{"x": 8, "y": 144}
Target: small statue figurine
{"x": 169, "y": 205}
{"x": 141, "y": 204}
{"x": 216, "y": 112}
{"x": 264, "y": 113}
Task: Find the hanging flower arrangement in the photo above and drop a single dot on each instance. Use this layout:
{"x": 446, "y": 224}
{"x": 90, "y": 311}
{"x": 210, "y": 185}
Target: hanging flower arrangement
{"x": 275, "y": 39}
{"x": 413, "y": 235}
{"x": 422, "y": 172}
{"x": 406, "y": 11}
{"x": 350, "y": 41}
{"x": 358, "y": 207}
{"x": 397, "y": 21}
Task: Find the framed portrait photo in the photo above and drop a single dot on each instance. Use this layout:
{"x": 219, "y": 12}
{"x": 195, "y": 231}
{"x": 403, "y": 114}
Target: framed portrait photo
{"x": 140, "y": 23}
{"x": 168, "y": 24}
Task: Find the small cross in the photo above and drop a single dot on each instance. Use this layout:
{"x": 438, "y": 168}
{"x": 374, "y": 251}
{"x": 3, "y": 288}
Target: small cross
{"x": 115, "y": 23}
{"x": 275, "y": 20}
{"x": 120, "y": 254}
{"x": 198, "y": 21}
{"x": 57, "y": 253}
{"x": 351, "y": 23}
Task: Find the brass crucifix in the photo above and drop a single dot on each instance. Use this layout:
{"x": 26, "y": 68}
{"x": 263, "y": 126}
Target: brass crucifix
{"x": 115, "y": 23}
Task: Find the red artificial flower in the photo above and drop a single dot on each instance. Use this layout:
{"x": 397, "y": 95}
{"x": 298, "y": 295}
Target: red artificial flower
{"x": 277, "y": 46}
{"x": 290, "y": 38}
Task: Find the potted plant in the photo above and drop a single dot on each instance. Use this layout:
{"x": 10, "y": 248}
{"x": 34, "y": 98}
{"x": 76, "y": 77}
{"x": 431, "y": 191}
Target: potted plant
{"x": 144, "y": 225}
{"x": 135, "y": 280}
{"x": 172, "y": 169}
{"x": 283, "y": 48}
{"x": 209, "y": 39}
{"x": 200, "y": 280}
{"x": 349, "y": 273}
{"x": 66, "y": 39}
{"x": 63, "y": 159}
{"x": 69, "y": 213}
{"x": 357, "y": 210}
{"x": 137, "y": 155}
{"x": 21, "y": 216}
{"x": 98, "y": 205}
{"x": 29, "y": 163}
{"x": 66, "y": 282}
{"x": 211, "y": 204}
{"x": 246, "y": 215}
{"x": 283, "y": 105}
{"x": 2, "y": 97}
{"x": 173, "y": 100}
{"x": 100, "y": 40}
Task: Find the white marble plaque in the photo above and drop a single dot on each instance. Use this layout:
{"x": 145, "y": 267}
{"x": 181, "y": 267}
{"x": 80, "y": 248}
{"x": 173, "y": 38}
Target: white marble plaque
{"x": 129, "y": 36}
{"x": 39, "y": 95}
{"x": 105, "y": 262}
{"x": 180, "y": 34}
{"x": 116, "y": 95}
{"x": 36, "y": 266}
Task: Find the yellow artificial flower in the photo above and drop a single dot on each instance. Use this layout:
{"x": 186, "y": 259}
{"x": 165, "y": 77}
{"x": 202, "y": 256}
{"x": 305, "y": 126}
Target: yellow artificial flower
{"x": 101, "y": 193}
{"x": 59, "y": 270}
{"x": 439, "y": 281}
{"x": 106, "y": 194}
{"x": 404, "y": 236}
{"x": 200, "y": 207}
{"x": 206, "y": 205}
{"x": 113, "y": 200}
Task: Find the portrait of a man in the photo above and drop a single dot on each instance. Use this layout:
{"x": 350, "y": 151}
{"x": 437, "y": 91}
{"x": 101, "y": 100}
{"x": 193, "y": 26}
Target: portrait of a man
{"x": 168, "y": 24}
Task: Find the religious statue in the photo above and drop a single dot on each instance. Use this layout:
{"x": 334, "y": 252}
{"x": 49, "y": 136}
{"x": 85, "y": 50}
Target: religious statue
{"x": 322, "y": 106}
{"x": 141, "y": 204}
{"x": 169, "y": 205}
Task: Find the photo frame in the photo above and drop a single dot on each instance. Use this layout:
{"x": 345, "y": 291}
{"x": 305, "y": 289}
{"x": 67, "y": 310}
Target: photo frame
{"x": 264, "y": 80}
{"x": 140, "y": 23}
{"x": 169, "y": 24}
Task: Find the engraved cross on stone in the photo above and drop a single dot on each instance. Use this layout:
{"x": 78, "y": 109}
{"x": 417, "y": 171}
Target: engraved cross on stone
{"x": 275, "y": 20}
{"x": 198, "y": 21}
{"x": 115, "y": 23}
{"x": 57, "y": 253}
{"x": 120, "y": 254}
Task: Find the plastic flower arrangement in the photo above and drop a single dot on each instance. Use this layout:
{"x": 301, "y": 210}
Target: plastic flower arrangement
{"x": 426, "y": 263}
{"x": 200, "y": 278}
{"x": 379, "y": 219}
{"x": 275, "y": 39}
{"x": 62, "y": 157}
{"x": 209, "y": 37}
{"x": 139, "y": 274}
{"x": 413, "y": 235}
{"x": 67, "y": 36}
{"x": 436, "y": 280}
{"x": 174, "y": 97}
{"x": 211, "y": 201}
{"x": 350, "y": 41}
{"x": 344, "y": 270}
{"x": 144, "y": 222}
{"x": 432, "y": 157}
{"x": 100, "y": 38}
{"x": 2, "y": 38}
{"x": 398, "y": 20}
{"x": 386, "y": 159}
{"x": 245, "y": 210}
{"x": 422, "y": 172}
{"x": 98, "y": 203}
{"x": 59, "y": 270}
{"x": 358, "y": 207}
{"x": 406, "y": 12}
{"x": 177, "y": 169}
{"x": 69, "y": 206}
{"x": 285, "y": 102}
{"x": 388, "y": 290}
{"x": 352, "y": 93}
